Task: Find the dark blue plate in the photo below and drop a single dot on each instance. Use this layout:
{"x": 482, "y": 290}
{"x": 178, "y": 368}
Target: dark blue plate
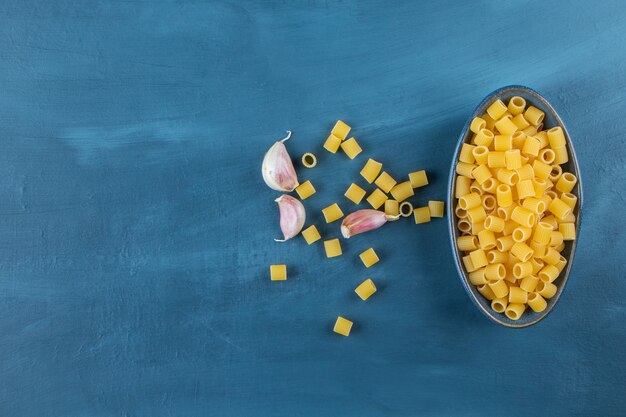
{"x": 551, "y": 119}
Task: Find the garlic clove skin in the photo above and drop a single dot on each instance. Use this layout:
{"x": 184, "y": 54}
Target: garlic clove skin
{"x": 363, "y": 221}
{"x": 292, "y": 216}
{"x": 278, "y": 171}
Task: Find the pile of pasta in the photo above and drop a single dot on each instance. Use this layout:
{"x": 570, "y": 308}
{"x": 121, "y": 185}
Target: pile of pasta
{"x": 515, "y": 207}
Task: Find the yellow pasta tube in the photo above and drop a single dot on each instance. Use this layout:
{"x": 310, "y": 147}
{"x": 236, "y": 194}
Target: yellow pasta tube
{"x": 530, "y": 131}
{"x": 539, "y": 250}
{"x": 476, "y": 188}
{"x": 483, "y": 138}
{"x": 502, "y": 142}
{"x": 486, "y": 292}
{"x": 499, "y": 304}
{"x": 521, "y": 233}
{"x": 496, "y": 110}
{"x": 525, "y": 189}
{"x": 531, "y": 146}
{"x": 477, "y": 277}
{"x": 392, "y": 208}
{"x": 525, "y": 172}
{"x": 507, "y": 176}
{"x": 488, "y": 202}
{"x": 386, "y": 182}
{"x": 504, "y": 196}
{"x": 460, "y": 213}
{"x": 566, "y": 183}
{"x": 514, "y": 311}
{"x": 467, "y": 243}
{"x": 560, "y": 155}
{"x": 504, "y": 243}
{"x": 542, "y": 233}
{"x": 547, "y": 156}
{"x": 520, "y": 122}
{"x": 559, "y": 208}
{"x": 523, "y": 216}
{"x": 516, "y": 105}
{"x": 489, "y": 122}
{"x": 478, "y": 227}
{"x": 477, "y": 124}
{"x": 556, "y": 137}
{"x": 568, "y": 230}
{"x": 517, "y": 295}
{"x": 418, "y": 178}
{"x": 462, "y": 186}
{"x": 541, "y": 170}
{"x": 406, "y": 209}
{"x": 542, "y": 137}
{"x": 537, "y": 265}
{"x": 556, "y": 238}
{"x": 506, "y": 126}
{"x": 499, "y": 288}
{"x": 496, "y": 160}
{"x": 402, "y": 191}
{"x": 551, "y": 256}
{"x": 536, "y": 302}
{"x": 480, "y": 154}
{"x": 495, "y": 256}
{"x": 469, "y": 265}
{"x": 495, "y": 272}
{"x": 505, "y": 212}
{"x": 551, "y": 220}
{"x": 469, "y": 201}
{"x": 522, "y": 269}
{"x": 529, "y": 283}
{"x": 535, "y": 205}
{"x": 462, "y": 168}
{"x": 521, "y": 251}
{"x": 513, "y": 159}
{"x": 371, "y": 170}
{"x": 476, "y": 214}
{"x": 569, "y": 199}
{"x": 490, "y": 185}
{"x": 570, "y": 218}
{"x": 561, "y": 264}
{"x": 486, "y": 239}
{"x": 481, "y": 173}
{"x": 464, "y": 226}
{"x": 548, "y": 273}
{"x": 534, "y": 115}
{"x": 509, "y": 228}
{"x": 546, "y": 289}
{"x": 466, "y": 154}
{"x": 494, "y": 223}
{"x": 422, "y": 215}
{"x": 478, "y": 257}
{"x": 436, "y": 208}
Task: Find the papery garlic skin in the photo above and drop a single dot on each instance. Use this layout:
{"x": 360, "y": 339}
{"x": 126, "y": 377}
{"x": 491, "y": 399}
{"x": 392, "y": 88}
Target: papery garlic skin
{"x": 278, "y": 171}
{"x": 363, "y": 221}
{"x": 292, "y": 216}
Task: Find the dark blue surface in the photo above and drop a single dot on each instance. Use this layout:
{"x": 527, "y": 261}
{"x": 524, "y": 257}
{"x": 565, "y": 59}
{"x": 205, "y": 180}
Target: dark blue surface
{"x": 137, "y": 232}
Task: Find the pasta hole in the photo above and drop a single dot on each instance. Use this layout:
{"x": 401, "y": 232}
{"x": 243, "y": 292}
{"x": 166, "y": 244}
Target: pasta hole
{"x": 512, "y": 314}
{"x": 519, "y": 102}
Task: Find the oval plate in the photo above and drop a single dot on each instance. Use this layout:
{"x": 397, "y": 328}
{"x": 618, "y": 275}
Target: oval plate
{"x": 551, "y": 119}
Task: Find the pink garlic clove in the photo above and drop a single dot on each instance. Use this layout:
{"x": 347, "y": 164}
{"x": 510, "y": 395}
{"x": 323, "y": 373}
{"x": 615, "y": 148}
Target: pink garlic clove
{"x": 278, "y": 171}
{"x": 292, "y": 216}
{"x": 363, "y": 221}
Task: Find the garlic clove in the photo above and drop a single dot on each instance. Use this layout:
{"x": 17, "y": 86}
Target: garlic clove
{"x": 278, "y": 171}
{"x": 363, "y": 221}
{"x": 292, "y": 216}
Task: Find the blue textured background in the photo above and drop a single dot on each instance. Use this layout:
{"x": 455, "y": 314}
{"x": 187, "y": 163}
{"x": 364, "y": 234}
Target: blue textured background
{"x": 136, "y": 231}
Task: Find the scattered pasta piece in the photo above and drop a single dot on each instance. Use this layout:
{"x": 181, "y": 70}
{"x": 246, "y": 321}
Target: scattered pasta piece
{"x": 392, "y": 208}
{"x": 309, "y": 160}
{"x": 365, "y": 289}
{"x": 332, "y": 144}
{"x": 341, "y": 130}
{"x": 343, "y": 326}
{"x": 332, "y": 248}
{"x": 385, "y": 182}
{"x": 515, "y": 207}
{"x": 311, "y": 234}
{"x": 419, "y": 179}
{"x": 421, "y": 214}
{"x": 278, "y": 272}
{"x": 406, "y": 209}
{"x": 332, "y": 213}
{"x": 402, "y": 191}
{"x": 355, "y": 193}
{"x": 351, "y": 148}
{"x": 436, "y": 208}
{"x": 377, "y": 198}
{"x": 305, "y": 190}
{"x": 371, "y": 170}
{"x": 369, "y": 257}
